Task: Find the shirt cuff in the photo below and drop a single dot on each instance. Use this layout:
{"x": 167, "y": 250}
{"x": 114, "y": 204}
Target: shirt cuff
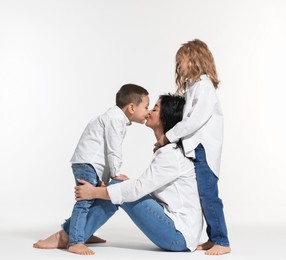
{"x": 171, "y": 137}
{"x": 114, "y": 192}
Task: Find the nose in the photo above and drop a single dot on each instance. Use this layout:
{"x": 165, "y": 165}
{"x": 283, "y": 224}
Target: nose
{"x": 148, "y": 114}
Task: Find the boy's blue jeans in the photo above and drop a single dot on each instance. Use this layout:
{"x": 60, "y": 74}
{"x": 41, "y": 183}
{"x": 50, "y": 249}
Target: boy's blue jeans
{"x": 81, "y": 208}
{"x": 146, "y": 213}
{"x": 211, "y": 204}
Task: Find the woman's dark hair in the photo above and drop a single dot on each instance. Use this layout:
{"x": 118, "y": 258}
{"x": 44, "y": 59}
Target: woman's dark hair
{"x": 171, "y": 111}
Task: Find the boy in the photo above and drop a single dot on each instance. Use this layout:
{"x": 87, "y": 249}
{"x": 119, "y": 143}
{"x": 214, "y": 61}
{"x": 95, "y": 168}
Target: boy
{"x": 98, "y": 155}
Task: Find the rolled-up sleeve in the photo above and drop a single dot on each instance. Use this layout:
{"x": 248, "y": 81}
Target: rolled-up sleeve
{"x": 163, "y": 169}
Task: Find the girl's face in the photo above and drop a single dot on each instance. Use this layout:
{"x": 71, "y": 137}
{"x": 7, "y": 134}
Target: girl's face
{"x": 184, "y": 65}
{"x": 153, "y": 121}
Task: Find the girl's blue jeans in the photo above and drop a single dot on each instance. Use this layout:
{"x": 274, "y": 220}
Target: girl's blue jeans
{"x": 211, "y": 204}
{"x": 81, "y": 208}
{"x": 146, "y": 213}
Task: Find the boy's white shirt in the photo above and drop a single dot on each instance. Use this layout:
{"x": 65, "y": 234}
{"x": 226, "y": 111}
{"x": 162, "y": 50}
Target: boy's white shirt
{"x": 101, "y": 143}
{"x": 171, "y": 180}
{"x": 202, "y": 123}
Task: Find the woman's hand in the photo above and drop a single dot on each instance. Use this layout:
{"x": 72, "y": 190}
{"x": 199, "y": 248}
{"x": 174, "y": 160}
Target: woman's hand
{"x": 88, "y": 192}
{"x": 84, "y": 191}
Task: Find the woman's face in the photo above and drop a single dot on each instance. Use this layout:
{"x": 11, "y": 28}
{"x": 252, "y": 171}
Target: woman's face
{"x": 153, "y": 121}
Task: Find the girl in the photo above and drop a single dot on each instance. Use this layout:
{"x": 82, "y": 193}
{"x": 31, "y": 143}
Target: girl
{"x": 201, "y": 131}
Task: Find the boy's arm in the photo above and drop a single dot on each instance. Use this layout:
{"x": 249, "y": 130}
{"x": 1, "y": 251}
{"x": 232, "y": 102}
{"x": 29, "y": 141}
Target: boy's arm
{"x": 120, "y": 177}
{"x": 114, "y": 134}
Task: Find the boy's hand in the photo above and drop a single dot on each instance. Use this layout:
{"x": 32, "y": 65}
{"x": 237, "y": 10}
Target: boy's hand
{"x": 121, "y": 177}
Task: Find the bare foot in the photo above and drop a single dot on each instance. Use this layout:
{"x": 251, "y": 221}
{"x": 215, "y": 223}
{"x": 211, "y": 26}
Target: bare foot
{"x": 218, "y": 250}
{"x": 205, "y": 246}
{"x": 80, "y": 249}
{"x": 57, "y": 240}
{"x": 95, "y": 240}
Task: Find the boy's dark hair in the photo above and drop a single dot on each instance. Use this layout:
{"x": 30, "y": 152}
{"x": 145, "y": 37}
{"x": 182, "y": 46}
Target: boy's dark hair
{"x": 130, "y": 93}
{"x": 171, "y": 111}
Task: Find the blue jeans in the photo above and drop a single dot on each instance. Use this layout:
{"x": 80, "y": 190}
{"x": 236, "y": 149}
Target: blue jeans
{"x": 81, "y": 208}
{"x": 211, "y": 204}
{"x": 146, "y": 213}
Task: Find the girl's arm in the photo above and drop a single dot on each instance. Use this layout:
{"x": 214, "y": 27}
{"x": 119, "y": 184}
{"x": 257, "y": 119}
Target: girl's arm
{"x": 197, "y": 113}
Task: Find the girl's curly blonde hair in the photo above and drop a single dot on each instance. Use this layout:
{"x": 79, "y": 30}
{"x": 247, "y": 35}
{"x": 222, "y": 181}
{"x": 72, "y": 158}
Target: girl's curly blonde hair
{"x": 200, "y": 61}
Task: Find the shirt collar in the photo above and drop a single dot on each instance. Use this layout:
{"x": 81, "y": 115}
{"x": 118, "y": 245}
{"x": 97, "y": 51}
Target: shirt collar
{"x": 125, "y": 118}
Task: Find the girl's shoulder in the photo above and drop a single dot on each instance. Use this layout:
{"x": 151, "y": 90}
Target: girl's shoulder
{"x": 204, "y": 85}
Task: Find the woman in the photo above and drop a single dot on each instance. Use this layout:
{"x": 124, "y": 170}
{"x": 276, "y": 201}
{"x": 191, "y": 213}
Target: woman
{"x": 171, "y": 215}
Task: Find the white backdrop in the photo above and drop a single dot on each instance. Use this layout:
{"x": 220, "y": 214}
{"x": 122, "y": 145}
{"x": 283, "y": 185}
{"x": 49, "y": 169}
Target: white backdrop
{"x": 62, "y": 61}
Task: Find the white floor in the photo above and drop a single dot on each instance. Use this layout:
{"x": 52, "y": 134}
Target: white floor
{"x": 126, "y": 242}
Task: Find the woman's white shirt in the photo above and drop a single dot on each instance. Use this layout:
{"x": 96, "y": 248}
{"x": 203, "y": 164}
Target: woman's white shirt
{"x": 202, "y": 123}
{"x": 171, "y": 180}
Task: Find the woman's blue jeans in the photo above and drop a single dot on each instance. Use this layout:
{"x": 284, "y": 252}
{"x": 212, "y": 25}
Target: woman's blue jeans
{"x": 146, "y": 213}
{"x": 211, "y": 204}
{"x": 81, "y": 208}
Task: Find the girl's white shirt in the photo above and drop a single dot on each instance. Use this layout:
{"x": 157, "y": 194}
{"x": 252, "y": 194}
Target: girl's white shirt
{"x": 202, "y": 123}
{"x": 171, "y": 180}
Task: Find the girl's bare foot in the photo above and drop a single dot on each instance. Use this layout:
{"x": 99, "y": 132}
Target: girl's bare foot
{"x": 57, "y": 240}
{"x": 218, "y": 250}
{"x": 95, "y": 240}
{"x": 205, "y": 246}
{"x": 80, "y": 249}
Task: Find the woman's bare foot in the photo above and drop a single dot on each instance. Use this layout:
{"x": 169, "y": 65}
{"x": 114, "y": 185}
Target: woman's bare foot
{"x": 80, "y": 249}
{"x": 57, "y": 240}
{"x": 95, "y": 240}
{"x": 218, "y": 250}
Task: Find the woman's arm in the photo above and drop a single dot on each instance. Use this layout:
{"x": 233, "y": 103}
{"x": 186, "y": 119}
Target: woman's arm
{"x": 86, "y": 191}
{"x": 164, "y": 169}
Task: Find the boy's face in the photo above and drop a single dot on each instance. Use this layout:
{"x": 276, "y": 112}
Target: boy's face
{"x": 141, "y": 111}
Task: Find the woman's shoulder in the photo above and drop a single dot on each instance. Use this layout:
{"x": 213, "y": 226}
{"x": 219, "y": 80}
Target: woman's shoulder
{"x": 170, "y": 150}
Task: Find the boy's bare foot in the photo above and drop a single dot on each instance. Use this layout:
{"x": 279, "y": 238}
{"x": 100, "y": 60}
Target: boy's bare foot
{"x": 95, "y": 240}
{"x": 218, "y": 250}
{"x": 57, "y": 240}
{"x": 80, "y": 249}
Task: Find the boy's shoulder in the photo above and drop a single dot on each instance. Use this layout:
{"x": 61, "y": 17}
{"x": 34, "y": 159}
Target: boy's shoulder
{"x": 115, "y": 114}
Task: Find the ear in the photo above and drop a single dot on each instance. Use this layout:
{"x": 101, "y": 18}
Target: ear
{"x": 131, "y": 108}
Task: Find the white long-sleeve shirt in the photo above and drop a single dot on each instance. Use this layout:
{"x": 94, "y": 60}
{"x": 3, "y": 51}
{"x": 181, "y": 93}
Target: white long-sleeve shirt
{"x": 171, "y": 180}
{"x": 101, "y": 143}
{"x": 202, "y": 123}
